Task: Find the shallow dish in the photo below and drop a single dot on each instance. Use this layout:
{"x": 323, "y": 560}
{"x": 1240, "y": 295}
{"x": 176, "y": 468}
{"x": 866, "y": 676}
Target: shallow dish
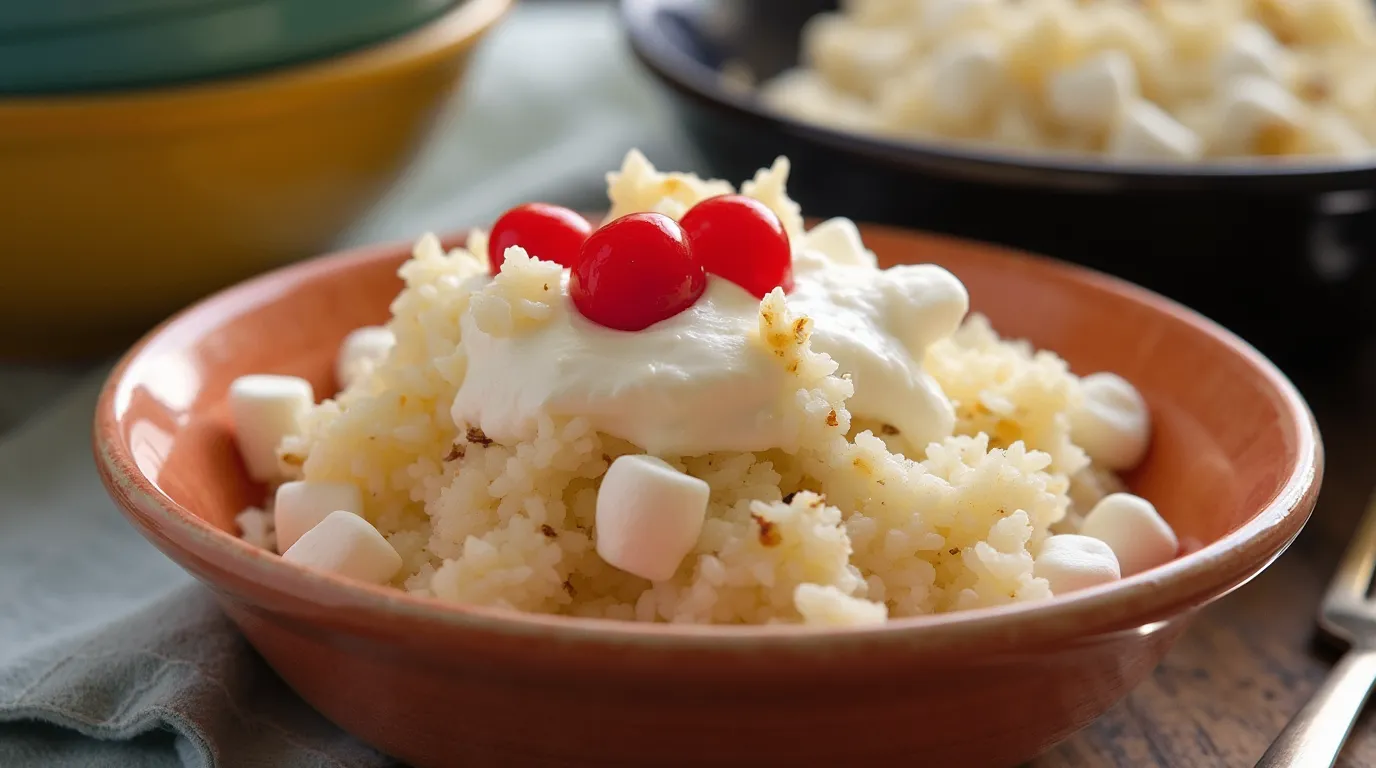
{"x": 1283, "y": 254}
{"x": 200, "y": 42}
{"x": 1235, "y": 464}
{"x": 119, "y": 209}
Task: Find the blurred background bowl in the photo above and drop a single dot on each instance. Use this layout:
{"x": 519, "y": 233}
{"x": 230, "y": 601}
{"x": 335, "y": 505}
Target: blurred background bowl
{"x": 192, "y": 39}
{"x": 119, "y": 208}
{"x": 20, "y": 17}
{"x": 1283, "y": 254}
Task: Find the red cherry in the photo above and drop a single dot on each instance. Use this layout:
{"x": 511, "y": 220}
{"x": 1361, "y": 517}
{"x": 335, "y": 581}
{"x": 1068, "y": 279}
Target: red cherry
{"x": 740, "y": 239}
{"x": 548, "y": 232}
{"x": 634, "y": 272}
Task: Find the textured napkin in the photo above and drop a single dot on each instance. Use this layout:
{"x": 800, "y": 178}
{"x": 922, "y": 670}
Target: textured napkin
{"x": 109, "y": 654}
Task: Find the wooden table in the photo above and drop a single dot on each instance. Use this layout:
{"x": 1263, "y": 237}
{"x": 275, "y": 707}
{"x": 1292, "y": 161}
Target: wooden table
{"x": 1249, "y": 661}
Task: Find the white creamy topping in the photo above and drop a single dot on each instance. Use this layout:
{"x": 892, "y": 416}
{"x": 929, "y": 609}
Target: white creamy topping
{"x": 877, "y": 324}
{"x": 695, "y": 383}
{"x": 703, "y": 380}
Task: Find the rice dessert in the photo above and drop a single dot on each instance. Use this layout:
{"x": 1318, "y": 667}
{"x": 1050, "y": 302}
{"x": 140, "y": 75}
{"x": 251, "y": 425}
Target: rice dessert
{"x": 1174, "y": 81}
{"x": 744, "y": 458}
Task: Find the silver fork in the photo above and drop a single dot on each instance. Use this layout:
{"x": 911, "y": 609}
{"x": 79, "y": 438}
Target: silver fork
{"x": 1315, "y": 735}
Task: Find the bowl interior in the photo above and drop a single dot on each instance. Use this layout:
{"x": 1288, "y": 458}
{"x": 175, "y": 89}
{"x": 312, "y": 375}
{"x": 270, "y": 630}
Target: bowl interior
{"x": 686, "y": 43}
{"x": 1233, "y": 465}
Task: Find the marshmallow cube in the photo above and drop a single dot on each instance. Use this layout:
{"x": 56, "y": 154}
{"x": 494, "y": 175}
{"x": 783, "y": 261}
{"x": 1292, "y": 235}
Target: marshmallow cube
{"x": 266, "y": 409}
{"x": 967, "y": 75}
{"x": 1259, "y": 116}
{"x": 1251, "y": 50}
{"x": 1146, "y": 133}
{"x": 346, "y": 544}
{"x": 302, "y": 504}
{"x": 649, "y": 516}
{"x": 1113, "y": 424}
{"x": 853, "y": 56}
{"x": 1069, "y": 562}
{"x": 360, "y": 351}
{"x": 1092, "y": 95}
{"x": 1131, "y": 527}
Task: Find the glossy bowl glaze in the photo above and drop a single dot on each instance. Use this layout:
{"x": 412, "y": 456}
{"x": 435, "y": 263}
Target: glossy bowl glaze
{"x": 18, "y": 19}
{"x": 120, "y": 209}
{"x": 1283, "y": 254}
{"x": 201, "y": 41}
{"x": 1235, "y": 465}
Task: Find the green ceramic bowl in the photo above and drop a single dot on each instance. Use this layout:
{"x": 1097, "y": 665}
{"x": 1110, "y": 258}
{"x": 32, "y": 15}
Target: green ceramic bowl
{"x": 20, "y": 18}
{"x": 208, "y": 39}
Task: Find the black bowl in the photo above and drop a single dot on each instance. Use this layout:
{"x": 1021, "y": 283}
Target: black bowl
{"x": 1282, "y": 253}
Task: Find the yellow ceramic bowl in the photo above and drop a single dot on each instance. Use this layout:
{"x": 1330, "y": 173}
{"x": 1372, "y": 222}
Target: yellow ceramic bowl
{"x": 117, "y": 209}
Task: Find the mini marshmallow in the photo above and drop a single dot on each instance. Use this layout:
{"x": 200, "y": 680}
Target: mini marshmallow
{"x": 923, "y": 303}
{"x": 1112, "y": 423}
{"x": 348, "y": 545}
{"x": 1050, "y": 35}
{"x": 852, "y": 56}
{"x": 1123, "y": 27}
{"x": 266, "y": 409}
{"x": 967, "y": 75}
{"x": 1251, "y": 50}
{"x": 302, "y": 504}
{"x": 1259, "y": 116}
{"x": 1092, "y": 95}
{"x": 1146, "y": 133}
{"x": 1131, "y": 527}
{"x": 360, "y": 351}
{"x": 649, "y": 516}
{"x": 1069, "y": 562}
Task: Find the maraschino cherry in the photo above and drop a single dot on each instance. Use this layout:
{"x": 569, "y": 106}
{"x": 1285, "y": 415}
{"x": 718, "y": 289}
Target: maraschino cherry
{"x": 548, "y": 232}
{"x": 739, "y": 238}
{"x": 634, "y": 272}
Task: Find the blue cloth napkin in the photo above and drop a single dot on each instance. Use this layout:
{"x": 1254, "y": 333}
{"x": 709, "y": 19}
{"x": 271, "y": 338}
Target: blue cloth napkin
{"x": 112, "y": 656}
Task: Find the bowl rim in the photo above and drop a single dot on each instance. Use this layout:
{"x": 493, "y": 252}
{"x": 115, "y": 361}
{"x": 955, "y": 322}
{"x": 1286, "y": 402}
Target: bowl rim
{"x": 691, "y": 78}
{"x": 55, "y": 22}
{"x": 1135, "y": 604}
{"x": 102, "y": 114}
{"x": 144, "y": 40}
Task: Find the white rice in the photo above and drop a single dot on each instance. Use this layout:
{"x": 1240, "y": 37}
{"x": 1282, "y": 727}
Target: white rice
{"x": 842, "y": 531}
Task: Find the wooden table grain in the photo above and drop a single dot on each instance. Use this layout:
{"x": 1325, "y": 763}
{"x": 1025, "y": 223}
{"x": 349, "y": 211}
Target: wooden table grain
{"x": 1249, "y": 661}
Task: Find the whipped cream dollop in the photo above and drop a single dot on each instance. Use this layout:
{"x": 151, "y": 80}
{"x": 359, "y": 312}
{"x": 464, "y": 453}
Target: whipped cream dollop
{"x": 703, "y": 380}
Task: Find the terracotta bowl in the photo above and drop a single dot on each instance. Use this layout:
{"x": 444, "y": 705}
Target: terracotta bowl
{"x": 1235, "y": 466}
